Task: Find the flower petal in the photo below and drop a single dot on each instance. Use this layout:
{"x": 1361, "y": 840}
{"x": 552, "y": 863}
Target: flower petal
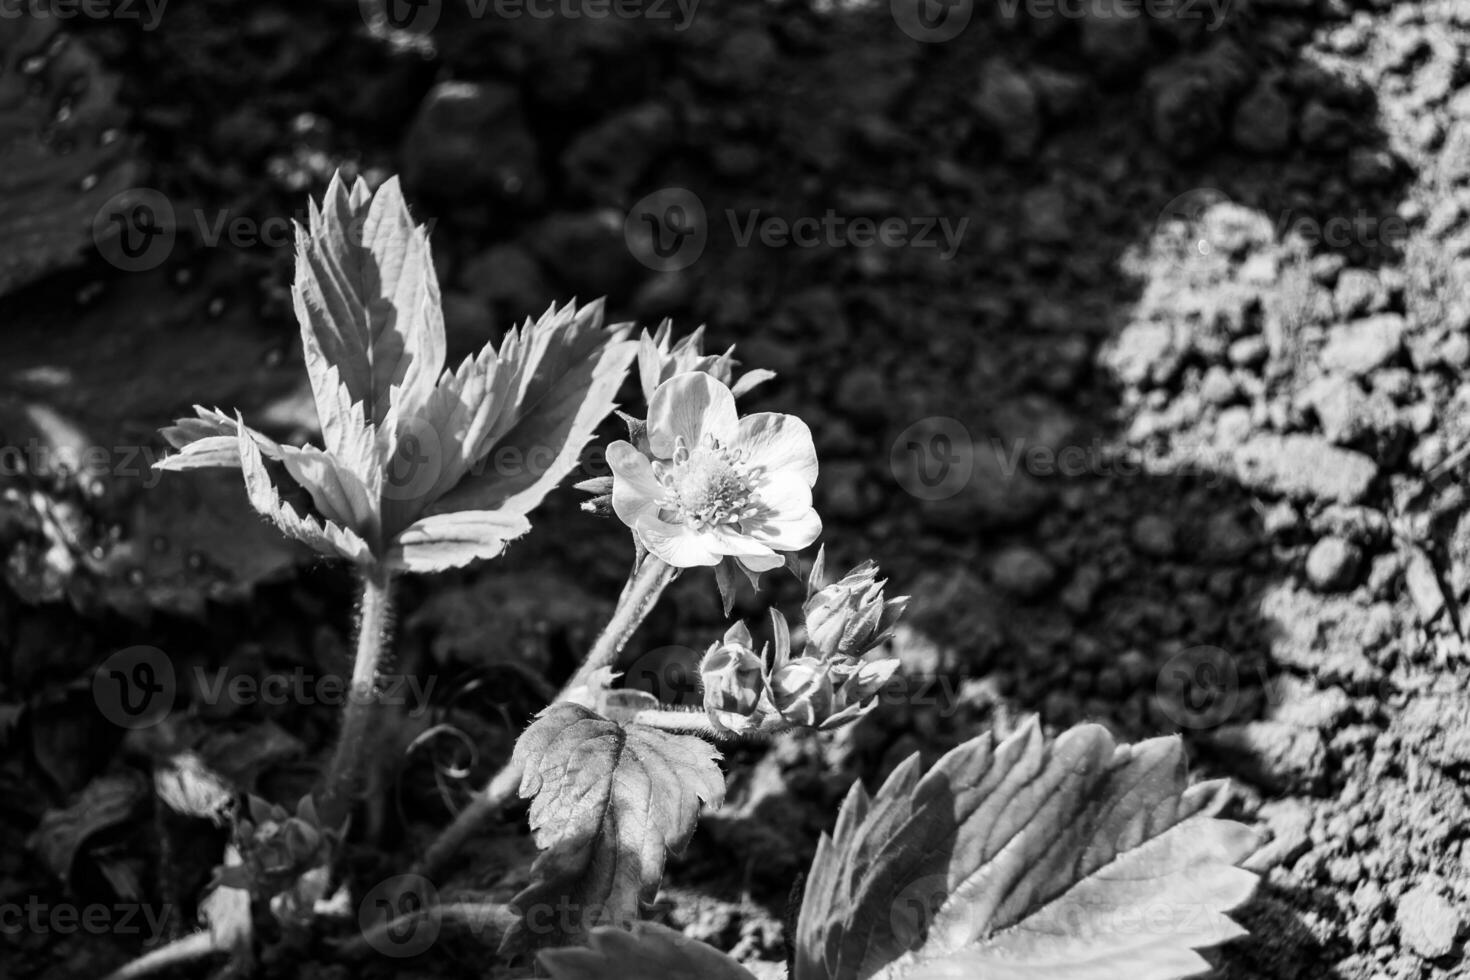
{"x": 761, "y": 563}
{"x": 676, "y": 544}
{"x": 635, "y": 492}
{"x": 786, "y": 533}
{"x": 692, "y": 405}
{"x": 733, "y": 542}
{"x": 780, "y": 444}
{"x": 784, "y": 494}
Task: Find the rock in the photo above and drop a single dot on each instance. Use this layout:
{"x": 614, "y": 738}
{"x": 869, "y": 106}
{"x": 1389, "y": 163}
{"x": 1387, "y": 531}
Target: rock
{"x": 1185, "y": 115}
{"x": 1273, "y": 755}
{"x": 469, "y": 141}
{"x": 1290, "y": 822}
{"x": 861, "y": 395}
{"x": 1359, "y": 347}
{"x": 1298, "y": 702}
{"x": 1023, "y": 572}
{"x": 1008, "y": 106}
{"x": 1146, "y": 350}
{"x": 1359, "y": 292}
{"x": 1428, "y": 923}
{"x": 1263, "y": 120}
{"x": 605, "y": 162}
{"x": 1332, "y": 564}
{"x": 1217, "y": 387}
{"x": 1248, "y": 351}
{"x": 1340, "y": 405}
{"x": 1324, "y": 636}
{"x": 1423, "y": 585}
{"x": 1304, "y": 467}
{"x": 1154, "y": 536}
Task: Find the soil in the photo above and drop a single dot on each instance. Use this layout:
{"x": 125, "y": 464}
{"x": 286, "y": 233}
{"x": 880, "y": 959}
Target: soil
{"x": 1172, "y": 441}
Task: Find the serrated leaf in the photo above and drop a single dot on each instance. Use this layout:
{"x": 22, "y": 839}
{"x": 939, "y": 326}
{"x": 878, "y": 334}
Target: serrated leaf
{"x": 647, "y": 952}
{"x": 609, "y": 803}
{"x": 1076, "y": 859}
{"x": 326, "y": 537}
{"x": 367, "y": 299}
{"x": 445, "y": 541}
{"x": 556, "y": 380}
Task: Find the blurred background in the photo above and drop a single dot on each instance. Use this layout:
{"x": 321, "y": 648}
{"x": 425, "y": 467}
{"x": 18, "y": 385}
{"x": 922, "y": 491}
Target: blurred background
{"x": 1131, "y": 335}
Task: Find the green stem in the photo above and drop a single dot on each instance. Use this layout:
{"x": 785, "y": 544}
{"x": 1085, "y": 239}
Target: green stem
{"x": 374, "y": 626}
{"x": 645, "y": 586}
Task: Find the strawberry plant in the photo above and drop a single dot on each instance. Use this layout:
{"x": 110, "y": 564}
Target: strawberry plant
{"x": 1012, "y": 857}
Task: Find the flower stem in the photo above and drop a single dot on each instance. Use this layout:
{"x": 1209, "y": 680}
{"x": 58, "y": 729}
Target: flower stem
{"x": 645, "y": 585}
{"x": 374, "y": 626}
{"x": 195, "y": 946}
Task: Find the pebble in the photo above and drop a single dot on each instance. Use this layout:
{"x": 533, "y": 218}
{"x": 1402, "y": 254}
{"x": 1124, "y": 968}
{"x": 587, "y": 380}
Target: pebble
{"x": 1154, "y": 535}
{"x": 1304, "y": 467}
{"x": 1332, "y": 564}
{"x": 1022, "y": 571}
{"x": 1423, "y": 586}
{"x": 1361, "y": 346}
{"x": 1428, "y": 923}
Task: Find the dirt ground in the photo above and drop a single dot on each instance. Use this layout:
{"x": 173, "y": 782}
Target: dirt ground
{"x": 1173, "y": 437}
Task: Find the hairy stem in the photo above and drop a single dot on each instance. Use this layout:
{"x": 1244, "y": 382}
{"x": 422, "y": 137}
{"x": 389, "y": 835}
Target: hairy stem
{"x": 486, "y": 921}
{"x": 374, "y": 625}
{"x": 195, "y": 946}
{"x": 647, "y": 583}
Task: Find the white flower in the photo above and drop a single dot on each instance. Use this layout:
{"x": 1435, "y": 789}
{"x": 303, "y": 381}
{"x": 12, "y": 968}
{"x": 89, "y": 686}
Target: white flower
{"x": 716, "y": 484}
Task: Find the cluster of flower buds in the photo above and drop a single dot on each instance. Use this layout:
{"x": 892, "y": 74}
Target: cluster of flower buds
{"x": 828, "y": 685}
{"x": 849, "y": 617}
{"x": 278, "y": 847}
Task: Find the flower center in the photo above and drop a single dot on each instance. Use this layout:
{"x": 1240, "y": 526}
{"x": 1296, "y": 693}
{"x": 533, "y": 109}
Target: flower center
{"x": 707, "y": 486}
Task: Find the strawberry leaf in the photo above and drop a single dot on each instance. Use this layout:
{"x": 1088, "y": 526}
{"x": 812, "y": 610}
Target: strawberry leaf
{"x": 367, "y": 298}
{"x": 1076, "y": 859}
{"x": 648, "y": 952}
{"x": 610, "y": 802}
{"x": 451, "y": 540}
{"x": 555, "y": 381}
{"x": 325, "y": 537}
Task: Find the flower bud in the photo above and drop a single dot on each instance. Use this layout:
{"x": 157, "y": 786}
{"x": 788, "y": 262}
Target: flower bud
{"x": 850, "y": 616}
{"x": 857, "y": 684}
{"x": 733, "y": 677}
{"x": 803, "y": 692}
